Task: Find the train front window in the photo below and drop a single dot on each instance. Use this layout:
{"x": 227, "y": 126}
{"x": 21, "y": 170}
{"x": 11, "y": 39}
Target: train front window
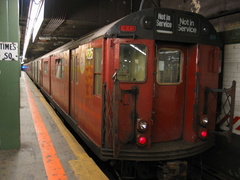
{"x": 169, "y": 66}
{"x": 132, "y": 65}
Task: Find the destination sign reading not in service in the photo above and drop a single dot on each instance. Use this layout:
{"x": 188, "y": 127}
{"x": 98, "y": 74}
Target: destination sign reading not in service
{"x": 8, "y": 51}
{"x": 164, "y": 23}
{"x": 167, "y": 23}
{"x": 187, "y": 26}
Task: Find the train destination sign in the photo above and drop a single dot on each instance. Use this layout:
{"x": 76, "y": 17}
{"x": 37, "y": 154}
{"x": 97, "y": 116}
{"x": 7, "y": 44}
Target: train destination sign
{"x": 167, "y": 23}
{"x": 187, "y": 26}
{"x": 164, "y": 23}
{"x": 9, "y": 51}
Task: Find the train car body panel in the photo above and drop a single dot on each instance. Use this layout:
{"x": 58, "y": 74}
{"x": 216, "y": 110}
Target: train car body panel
{"x": 165, "y": 100}
{"x": 60, "y": 79}
{"x": 191, "y": 79}
{"x": 199, "y": 77}
{"x": 208, "y": 79}
{"x": 85, "y": 88}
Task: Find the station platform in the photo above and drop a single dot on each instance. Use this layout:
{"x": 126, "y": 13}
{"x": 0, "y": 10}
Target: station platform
{"x": 48, "y": 150}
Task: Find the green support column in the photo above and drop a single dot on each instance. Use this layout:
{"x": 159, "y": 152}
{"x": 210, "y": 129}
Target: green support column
{"x": 9, "y": 75}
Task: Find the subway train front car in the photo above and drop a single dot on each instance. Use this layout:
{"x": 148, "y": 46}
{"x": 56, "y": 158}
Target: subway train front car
{"x": 135, "y": 90}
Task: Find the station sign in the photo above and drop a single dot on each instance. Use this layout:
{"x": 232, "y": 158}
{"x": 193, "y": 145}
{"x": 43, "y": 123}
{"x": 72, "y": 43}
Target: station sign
{"x": 8, "y": 51}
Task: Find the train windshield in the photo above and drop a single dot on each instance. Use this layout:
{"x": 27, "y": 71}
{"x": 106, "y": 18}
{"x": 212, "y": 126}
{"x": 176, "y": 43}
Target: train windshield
{"x": 169, "y": 66}
{"x": 132, "y": 62}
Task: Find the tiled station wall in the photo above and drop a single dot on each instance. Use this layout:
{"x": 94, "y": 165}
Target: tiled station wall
{"x": 231, "y": 71}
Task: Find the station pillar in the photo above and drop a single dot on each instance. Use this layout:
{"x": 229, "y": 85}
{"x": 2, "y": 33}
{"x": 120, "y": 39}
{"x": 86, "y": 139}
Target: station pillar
{"x": 9, "y": 75}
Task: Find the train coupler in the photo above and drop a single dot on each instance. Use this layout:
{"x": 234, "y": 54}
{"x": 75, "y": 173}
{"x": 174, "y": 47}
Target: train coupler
{"x": 172, "y": 170}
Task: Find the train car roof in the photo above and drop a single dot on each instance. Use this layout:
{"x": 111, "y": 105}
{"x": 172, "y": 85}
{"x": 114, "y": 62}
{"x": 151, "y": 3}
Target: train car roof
{"x": 167, "y": 25}
{"x": 159, "y": 24}
{"x": 87, "y": 38}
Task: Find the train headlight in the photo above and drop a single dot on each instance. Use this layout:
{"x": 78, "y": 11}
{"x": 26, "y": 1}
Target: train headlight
{"x": 202, "y": 133}
{"x": 204, "y": 121}
{"x": 142, "y": 125}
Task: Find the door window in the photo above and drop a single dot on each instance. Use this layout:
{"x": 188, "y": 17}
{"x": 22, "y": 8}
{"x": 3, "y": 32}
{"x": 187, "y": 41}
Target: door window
{"x": 59, "y": 64}
{"x": 45, "y": 67}
{"x": 169, "y": 66}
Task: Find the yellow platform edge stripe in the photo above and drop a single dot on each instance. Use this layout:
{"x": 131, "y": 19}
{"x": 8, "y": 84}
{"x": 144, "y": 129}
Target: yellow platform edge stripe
{"x": 84, "y": 167}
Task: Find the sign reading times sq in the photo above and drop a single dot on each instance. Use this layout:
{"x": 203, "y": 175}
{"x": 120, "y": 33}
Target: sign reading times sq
{"x": 9, "y": 51}
{"x": 185, "y": 25}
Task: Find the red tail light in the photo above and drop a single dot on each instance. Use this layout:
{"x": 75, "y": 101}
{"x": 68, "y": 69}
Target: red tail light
{"x": 142, "y": 140}
{"x": 202, "y": 133}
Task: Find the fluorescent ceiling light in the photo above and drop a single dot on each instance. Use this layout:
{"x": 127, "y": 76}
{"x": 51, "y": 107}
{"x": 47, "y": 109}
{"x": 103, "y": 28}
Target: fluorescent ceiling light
{"x": 35, "y": 19}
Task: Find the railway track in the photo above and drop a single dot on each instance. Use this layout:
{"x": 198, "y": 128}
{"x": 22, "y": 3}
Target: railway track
{"x": 206, "y": 172}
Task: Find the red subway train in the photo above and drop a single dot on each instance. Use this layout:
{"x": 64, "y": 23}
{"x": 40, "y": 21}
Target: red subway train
{"x": 135, "y": 90}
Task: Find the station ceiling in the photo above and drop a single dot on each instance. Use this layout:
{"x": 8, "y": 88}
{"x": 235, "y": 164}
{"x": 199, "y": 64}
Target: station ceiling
{"x": 67, "y": 20}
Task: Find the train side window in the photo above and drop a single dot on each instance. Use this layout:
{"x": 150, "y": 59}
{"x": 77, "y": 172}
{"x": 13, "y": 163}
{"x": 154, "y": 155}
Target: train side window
{"x": 72, "y": 67}
{"x": 77, "y": 66}
{"x": 169, "y": 66}
{"x": 59, "y": 68}
{"x": 97, "y": 71}
{"x": 132, "y": 62}
{"x": 45, "y": 67}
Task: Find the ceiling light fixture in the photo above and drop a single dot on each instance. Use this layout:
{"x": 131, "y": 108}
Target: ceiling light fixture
{"x": 34, "y": 21}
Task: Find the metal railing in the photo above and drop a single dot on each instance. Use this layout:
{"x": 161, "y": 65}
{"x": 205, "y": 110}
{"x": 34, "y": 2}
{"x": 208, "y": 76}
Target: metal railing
{"x": 225, "y": 113}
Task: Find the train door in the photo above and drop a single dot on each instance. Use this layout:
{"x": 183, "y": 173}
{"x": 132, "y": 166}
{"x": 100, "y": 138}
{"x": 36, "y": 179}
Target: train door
{"x": 51, "y": 74}
{"x": 46, "y": 74}
{"x": 73, "y": 82}
{"x": 169, "y": 88}
{"x": 34, "y": 70}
